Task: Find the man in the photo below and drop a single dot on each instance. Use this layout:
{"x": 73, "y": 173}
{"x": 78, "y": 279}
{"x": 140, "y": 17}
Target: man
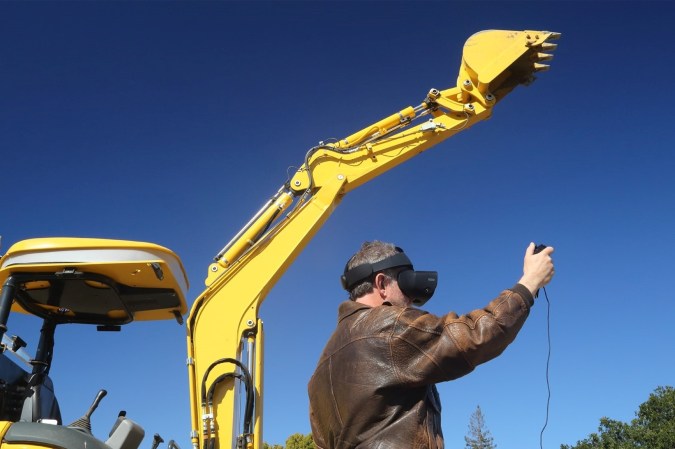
{"x": 374, "y": 385}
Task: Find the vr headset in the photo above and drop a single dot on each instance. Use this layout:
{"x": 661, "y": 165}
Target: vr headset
{"x": 416, "y": 285}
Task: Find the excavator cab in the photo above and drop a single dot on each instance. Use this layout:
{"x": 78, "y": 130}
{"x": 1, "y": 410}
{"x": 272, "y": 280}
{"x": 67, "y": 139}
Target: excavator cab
{"x": 106, "y": 283}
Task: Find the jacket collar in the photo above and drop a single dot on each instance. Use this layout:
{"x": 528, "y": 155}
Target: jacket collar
{"x": 348, "y": 308}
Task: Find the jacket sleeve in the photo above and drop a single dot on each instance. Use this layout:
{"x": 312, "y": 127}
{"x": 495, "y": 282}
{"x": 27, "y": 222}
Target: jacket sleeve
{"x": 428, "y": 349}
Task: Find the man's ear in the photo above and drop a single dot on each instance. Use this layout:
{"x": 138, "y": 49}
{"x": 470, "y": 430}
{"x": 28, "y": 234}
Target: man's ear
{"x": 380, "y": 282}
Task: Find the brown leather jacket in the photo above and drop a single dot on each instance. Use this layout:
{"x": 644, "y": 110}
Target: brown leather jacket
{"x": 374, "y": 384}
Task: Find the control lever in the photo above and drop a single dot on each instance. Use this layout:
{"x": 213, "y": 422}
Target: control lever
{"x": 84, "y": 424}
{"x": 156, "y": 441}
{"x": 121, "y": 416}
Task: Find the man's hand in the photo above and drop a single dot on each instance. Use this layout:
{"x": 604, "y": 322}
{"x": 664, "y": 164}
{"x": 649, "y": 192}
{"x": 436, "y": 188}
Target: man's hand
{"x": 537, "y": 268}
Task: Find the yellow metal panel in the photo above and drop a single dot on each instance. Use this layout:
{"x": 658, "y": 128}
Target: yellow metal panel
{"x": 229, "y": 307}
{"x": 125, "y": 262}
{"x": 259, "y": 378}
{"x": 4, "y": 426}
{"x": 23, "y": 446}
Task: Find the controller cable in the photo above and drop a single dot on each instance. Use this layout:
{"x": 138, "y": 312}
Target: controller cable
{"x": 537, "y": 250}
{"x": 548, "y": 361}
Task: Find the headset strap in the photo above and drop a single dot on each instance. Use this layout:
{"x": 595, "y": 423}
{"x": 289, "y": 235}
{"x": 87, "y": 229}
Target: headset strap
{"x": 362, "y": 272}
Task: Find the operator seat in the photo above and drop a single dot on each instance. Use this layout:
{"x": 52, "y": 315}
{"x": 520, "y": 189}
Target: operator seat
{"x": 41, "y": 404}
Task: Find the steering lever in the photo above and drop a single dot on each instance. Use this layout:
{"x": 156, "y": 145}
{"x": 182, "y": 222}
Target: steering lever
{"x": 84, "y": 424}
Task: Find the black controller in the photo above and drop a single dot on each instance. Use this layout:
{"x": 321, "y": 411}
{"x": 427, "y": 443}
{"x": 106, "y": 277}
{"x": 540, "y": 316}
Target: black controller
{"x": 537, "y": 249}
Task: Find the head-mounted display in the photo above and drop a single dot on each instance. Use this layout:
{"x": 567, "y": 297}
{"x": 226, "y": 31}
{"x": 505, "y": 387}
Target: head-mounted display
{"x": 416, "y": 285}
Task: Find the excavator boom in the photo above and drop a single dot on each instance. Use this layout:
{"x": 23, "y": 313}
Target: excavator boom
{"x": 225, "y": 334}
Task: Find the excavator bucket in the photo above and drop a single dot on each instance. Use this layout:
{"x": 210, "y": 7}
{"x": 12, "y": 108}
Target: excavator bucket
{"x": 496, "y": 61}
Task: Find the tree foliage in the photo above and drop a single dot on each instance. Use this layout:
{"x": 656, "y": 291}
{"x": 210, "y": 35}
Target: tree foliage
{"x": 295, "y": 441}
{"x": 300, "y": 441}
{"x": 652, "y": 428}
{"x": 479, "y": 436}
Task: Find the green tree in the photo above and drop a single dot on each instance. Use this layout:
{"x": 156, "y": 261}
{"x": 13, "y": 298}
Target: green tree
{"x": 652, "y": 428}
{"x": 300, "y": 441}
{"x": 479, "y": 436}
{"x": 295, "y": 441}
{"x": 274, "y": 446}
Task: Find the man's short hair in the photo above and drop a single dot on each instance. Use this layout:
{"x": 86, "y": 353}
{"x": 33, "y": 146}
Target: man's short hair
{"x": 371, "y": 252}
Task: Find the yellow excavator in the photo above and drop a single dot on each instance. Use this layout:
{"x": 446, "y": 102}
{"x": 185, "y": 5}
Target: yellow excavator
{"x": 110, "y": 283}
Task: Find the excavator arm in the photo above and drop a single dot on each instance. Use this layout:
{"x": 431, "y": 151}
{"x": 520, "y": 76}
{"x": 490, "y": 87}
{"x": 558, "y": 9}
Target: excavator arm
{"x": 224, "y": 332}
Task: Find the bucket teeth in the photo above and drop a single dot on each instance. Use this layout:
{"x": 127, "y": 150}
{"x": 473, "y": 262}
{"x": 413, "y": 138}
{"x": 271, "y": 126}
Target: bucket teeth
{"x": 543, "y": 57}
{"x": 496, "y": 61}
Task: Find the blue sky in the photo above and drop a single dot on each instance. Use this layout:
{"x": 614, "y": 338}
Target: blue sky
{"x": 174, "y": 122}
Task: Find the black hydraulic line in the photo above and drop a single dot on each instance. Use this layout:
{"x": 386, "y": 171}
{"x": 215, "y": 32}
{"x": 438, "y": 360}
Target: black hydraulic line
{"x": 213, "y": 365}
{"x": 244, "y": 376}
{"x": 248, "y": 411}
{"x": 212, "y": 388}
{"x": 209, "y": 398}
{"x": 267, "y": 227}
{"x": 309, "y": 154}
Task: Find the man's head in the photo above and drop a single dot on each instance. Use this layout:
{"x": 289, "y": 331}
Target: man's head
{"x": 370, "y": 253}
{"x": 381, "y": 272}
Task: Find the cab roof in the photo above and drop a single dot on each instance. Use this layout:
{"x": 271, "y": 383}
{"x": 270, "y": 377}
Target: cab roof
{"x": 95, "y": 281}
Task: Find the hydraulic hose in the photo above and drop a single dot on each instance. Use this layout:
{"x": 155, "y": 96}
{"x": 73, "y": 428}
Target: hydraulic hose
{"x": 207, "y": 396}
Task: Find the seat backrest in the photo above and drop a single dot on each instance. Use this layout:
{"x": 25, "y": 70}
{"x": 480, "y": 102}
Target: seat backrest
{"x": 41, "y": 404}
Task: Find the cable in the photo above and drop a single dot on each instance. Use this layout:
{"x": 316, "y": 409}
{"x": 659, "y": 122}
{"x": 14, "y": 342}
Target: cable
{"x": 548, "y": 361}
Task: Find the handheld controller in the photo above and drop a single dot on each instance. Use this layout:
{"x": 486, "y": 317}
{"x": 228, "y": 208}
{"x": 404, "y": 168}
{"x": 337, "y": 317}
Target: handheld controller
{"x": 537, "y": 249}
